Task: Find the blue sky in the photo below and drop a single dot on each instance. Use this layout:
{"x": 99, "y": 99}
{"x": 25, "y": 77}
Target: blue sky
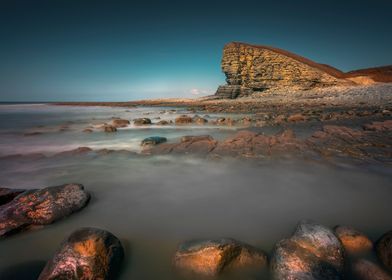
{"x": 74, "y": 50}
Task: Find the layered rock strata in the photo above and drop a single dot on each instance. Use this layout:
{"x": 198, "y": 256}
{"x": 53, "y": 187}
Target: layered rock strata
{"x": 250, "y": 69}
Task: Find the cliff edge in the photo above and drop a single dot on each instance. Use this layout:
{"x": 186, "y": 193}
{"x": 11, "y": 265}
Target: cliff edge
{"x": 251, "y": 69}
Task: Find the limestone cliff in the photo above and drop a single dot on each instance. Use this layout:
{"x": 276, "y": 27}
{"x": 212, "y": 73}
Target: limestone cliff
{"x": 250, "y": 69}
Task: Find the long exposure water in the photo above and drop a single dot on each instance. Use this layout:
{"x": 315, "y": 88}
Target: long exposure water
{"x": 153, "y": 203}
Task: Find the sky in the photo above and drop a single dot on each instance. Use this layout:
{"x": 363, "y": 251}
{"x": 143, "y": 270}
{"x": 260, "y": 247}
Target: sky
{"x": 94, "y": 50}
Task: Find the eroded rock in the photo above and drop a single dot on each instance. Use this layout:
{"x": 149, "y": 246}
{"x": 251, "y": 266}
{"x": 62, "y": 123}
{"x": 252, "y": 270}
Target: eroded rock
{"x": 88, "y": 253}
{"x": 41, "y": 207}
{"x": 211, "y": 257}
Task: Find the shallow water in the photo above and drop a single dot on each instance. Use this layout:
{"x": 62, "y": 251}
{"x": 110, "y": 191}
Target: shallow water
{"x": 153, "y": 203}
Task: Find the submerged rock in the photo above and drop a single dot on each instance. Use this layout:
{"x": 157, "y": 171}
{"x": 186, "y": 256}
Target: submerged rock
{"x": 41, "y": 207}
{"x": 88, "y": 253}
{"x": 312, "y": 252}
{"x": 184, "y": 119}
{"x": 153, "y": 140}
{"x": 367, "y": 270}
{"x": 384, "y": 249}
{"x": 211, "y": 257}
{"x": 354, "y": 242}
{"x": 120, "y": 123}
{"x": 142, "y": 121}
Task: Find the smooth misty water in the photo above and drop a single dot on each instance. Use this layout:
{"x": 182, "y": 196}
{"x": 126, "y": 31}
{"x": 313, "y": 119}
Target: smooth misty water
{"x": 154, "y": 203}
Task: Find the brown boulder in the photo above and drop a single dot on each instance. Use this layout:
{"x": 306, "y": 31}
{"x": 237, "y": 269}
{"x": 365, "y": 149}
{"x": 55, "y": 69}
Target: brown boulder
{"x": 212, "y": 257}
{"x": 163, "y": 122}
{"x": 353, "y": 241}
{"x": 142, "y": 121}
{"x": 120, "y": 123}
{"x": 109, "y": 128}
{"x": 296, "y": 118}
{"x": 184, "y": 119}
{"x": 86, "y": 254}
{"x": 41, "y": 207}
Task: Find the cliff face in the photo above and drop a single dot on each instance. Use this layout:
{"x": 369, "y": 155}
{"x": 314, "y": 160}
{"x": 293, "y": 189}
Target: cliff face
{"x": 250, "y": 69}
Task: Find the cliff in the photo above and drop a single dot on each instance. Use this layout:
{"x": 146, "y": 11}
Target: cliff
{"x": 251, "y": 69}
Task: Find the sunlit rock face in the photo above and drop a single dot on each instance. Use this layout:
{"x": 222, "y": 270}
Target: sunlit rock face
{"x": 88, "y": 253}
{"x": 209, "y": 258}
{"x": 250, "y": 69}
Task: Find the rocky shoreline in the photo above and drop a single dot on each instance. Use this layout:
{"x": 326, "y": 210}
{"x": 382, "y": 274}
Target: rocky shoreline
{"x": 312, "y": 252}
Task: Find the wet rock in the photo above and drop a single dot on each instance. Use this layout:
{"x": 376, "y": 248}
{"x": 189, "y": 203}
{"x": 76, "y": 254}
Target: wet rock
{"x": 163, "y": 122}
{"x": 88, "y": 130}
{"x": 384, "y": 249}
{"x": 312, "y": 252}
{"x": 41, "y": 207}
{"x": 153, "y": 140}
{"x": 354, "y": 241}
{"x": 184, "y": 119}
{"x": 120, "y": 123}
{"x": 367, "y": 270}
{"x": 6, "y": 194}
{"x": 142, "y": 121}
{"x": 200, "y": 145}
{"x": 212, "y": 257}
{"x": 109, "y": 128}
{"x": 199, "y": 120}
{"x": 296, "y": 118}
{"x": 88, "y": 253}
{"x": 75, "y": 152}
{"x": 379, "y": 126}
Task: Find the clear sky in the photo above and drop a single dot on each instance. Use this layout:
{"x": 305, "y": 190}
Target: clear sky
{"x": 93, "y": 50}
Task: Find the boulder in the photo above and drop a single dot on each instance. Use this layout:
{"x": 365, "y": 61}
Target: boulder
{"x": 163, "y": 122}
{"x": 296, "y": 118}
{"x": 212, "y": 257}
{"x": 183, "y": 119}
{"x": 109, "y": 128}
{"x": 290, "y": 261}
{"x": 142, "y": 121}
{"x": 312, "y": 252}
{"x": 88, "y": 253}
{"x": 75, "y": 152}
{"x": 153, "y": 140}
{"x": 384, "y": 249}
{"x": 354, "y": 241}
{"x": 366, "y": 270}
{"x": 120, "y": 123}
{"x": 87, "y": 130}
{"x": 41, "y": 207}
{"x": 200, "y": 120}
